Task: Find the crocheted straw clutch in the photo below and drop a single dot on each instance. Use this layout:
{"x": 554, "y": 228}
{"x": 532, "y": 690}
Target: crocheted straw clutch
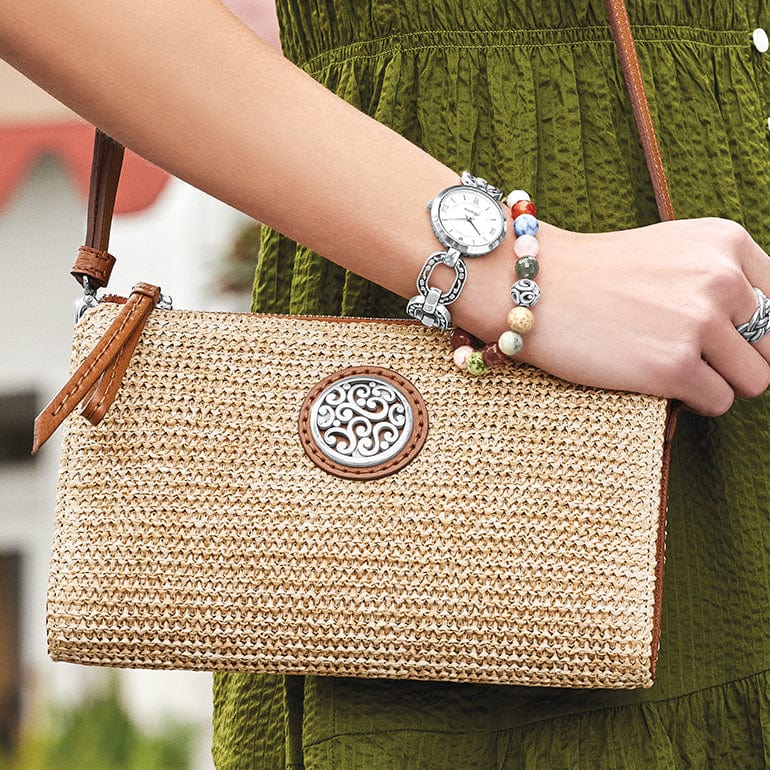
{"x": 199, "y": 526}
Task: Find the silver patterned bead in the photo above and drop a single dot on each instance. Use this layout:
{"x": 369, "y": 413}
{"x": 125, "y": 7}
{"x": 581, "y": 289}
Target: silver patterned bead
{"x": 525, "y": 292}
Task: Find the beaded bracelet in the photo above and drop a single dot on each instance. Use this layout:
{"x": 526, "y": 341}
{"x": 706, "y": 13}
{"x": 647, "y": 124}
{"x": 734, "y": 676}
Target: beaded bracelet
{"x": 470, "y": 353}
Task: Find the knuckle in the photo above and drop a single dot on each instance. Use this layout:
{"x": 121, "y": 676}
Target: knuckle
{"x": 704, "y": 324}
{"x": 678, "y": 366}
{"x": 698, "y": 323}
{"x": 723, "y": 277}
{"x": 728, "y": 232}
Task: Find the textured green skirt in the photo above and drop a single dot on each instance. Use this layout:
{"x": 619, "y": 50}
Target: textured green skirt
{"x": 529, "y": 94}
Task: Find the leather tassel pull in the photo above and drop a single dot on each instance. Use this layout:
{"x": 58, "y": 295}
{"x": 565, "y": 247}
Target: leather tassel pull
{"x": 97, "y": 380}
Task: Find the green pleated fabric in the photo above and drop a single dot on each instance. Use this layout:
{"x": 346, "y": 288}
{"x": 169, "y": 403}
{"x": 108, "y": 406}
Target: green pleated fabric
{"x": 529, "y": 94}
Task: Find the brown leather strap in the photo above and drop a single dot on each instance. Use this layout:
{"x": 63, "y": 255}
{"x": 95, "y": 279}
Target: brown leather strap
{"x": 629, "y": 62}
{"x": 99, "y": 399}
{"x": 93, "y": 260}
{"x": 98, "y": 378}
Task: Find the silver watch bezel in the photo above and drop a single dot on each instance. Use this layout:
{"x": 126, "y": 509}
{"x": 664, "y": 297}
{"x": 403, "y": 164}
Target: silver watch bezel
{"x": 452, "y": 243}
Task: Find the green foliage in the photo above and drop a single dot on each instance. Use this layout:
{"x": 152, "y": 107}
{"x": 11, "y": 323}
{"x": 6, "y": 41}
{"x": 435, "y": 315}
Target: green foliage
{"x": 236, "y": 271}
{"x": 98, "y": 734}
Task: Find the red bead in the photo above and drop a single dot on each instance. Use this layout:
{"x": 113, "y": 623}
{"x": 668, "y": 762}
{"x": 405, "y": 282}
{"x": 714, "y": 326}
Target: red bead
{"x": 523, "y": 207}
{"x": 460, "y": 337}
{"x": 492, "y": 355}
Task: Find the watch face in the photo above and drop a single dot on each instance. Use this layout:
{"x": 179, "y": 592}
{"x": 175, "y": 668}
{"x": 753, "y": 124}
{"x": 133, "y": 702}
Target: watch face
{"x": 467, "y": 219}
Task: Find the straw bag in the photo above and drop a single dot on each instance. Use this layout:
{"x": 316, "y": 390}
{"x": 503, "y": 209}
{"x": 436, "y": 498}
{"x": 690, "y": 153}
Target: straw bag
{"x": 204, "y": 522}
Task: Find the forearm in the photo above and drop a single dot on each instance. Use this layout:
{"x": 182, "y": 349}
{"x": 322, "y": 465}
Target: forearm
{"x": 189, "y": 87}
{"x": 186, "y": 85}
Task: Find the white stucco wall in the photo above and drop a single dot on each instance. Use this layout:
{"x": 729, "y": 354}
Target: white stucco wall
{"x": 174, "y": 244}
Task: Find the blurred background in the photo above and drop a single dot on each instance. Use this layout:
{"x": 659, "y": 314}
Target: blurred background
{"x": 54, "y": 715}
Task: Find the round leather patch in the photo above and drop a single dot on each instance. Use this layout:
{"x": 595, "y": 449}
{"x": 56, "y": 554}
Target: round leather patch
{"x": 364, "y": 422}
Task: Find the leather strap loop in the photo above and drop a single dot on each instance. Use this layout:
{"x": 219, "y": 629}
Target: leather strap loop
{"x": 93, "y": 264}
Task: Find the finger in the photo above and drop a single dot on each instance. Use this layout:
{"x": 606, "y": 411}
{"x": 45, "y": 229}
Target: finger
{"x": 707, "y": 392}
{"x": 763, "y": 347}
{"x": 756, "y": 264}
{"x": 740, "y": 364}
{"x": 756, "y": 267}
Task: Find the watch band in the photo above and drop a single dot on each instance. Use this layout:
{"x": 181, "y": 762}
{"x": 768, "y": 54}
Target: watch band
{"x": 430, "y": 305}
{"x": 478, "y": 181}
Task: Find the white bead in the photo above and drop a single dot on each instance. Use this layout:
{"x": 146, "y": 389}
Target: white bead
{"x": 761, "y": 41}
{"x": 515, "y": 196}
{"x": 510, "y": 343}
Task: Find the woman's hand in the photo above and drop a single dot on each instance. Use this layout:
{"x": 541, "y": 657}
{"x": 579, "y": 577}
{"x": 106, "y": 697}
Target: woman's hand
{"x": 651, "y": 310}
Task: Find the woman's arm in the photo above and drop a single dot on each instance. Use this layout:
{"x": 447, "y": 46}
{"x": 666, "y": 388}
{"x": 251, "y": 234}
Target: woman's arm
{"x": 189, "y": 87}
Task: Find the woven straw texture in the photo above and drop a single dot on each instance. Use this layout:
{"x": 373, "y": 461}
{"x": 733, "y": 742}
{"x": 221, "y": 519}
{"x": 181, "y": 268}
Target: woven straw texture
{"x": 192, "y": 531}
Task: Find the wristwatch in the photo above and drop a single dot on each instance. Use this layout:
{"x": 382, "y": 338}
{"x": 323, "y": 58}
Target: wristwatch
{"x": 469, "y": 221}
{"x": 468, "y": 217}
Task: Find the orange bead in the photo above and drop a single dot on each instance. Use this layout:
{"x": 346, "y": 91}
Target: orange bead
{"x": 523, "y": 207}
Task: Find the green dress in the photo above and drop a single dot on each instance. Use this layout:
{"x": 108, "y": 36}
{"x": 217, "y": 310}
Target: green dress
{"x": 528, "y": 93}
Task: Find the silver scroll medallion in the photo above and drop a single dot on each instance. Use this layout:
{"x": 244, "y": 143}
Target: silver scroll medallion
{"x": 363, "y": 422}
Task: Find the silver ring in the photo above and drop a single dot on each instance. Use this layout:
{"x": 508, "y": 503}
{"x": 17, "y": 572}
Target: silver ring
{"x": 759, "y": 324}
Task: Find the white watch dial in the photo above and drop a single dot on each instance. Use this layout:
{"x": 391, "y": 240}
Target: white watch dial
{"x": 468, "y": 219}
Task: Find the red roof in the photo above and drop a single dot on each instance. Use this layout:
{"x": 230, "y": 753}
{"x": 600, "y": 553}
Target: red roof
{"x": 72, "y": 144}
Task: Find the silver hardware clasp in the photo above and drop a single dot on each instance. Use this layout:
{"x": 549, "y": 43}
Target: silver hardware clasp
{"x": 87, "y": 301}
{"x": 90, "y": 300}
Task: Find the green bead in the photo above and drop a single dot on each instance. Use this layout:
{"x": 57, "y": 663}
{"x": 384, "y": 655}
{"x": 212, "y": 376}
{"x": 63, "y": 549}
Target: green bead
{"x": 474, "y": 364}
{"x": 527, "y": 267}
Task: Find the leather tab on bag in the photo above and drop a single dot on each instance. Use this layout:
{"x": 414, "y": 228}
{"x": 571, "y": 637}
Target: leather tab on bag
{"x": 93, "y": 264}
{"x": 100, "y": 398}
{"x": 98, "y": 378}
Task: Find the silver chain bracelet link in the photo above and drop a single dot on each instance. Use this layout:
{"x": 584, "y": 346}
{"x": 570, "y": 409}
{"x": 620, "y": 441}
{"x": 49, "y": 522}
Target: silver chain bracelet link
{"x": 429, "y": 306}
{"x": 482, "y": 184}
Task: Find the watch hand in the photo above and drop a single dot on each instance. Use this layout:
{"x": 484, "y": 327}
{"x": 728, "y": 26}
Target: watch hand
{"x": 470, "y": 222}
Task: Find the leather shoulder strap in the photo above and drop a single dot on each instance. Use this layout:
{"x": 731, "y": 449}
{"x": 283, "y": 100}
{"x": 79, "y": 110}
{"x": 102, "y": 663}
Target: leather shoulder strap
{"x": 95, "y": 263}
{"x": 629, "y": 62}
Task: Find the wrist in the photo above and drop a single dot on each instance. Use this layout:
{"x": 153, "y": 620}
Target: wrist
{"x": 491, "y": 343}
{"x": 481, "y": 277}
